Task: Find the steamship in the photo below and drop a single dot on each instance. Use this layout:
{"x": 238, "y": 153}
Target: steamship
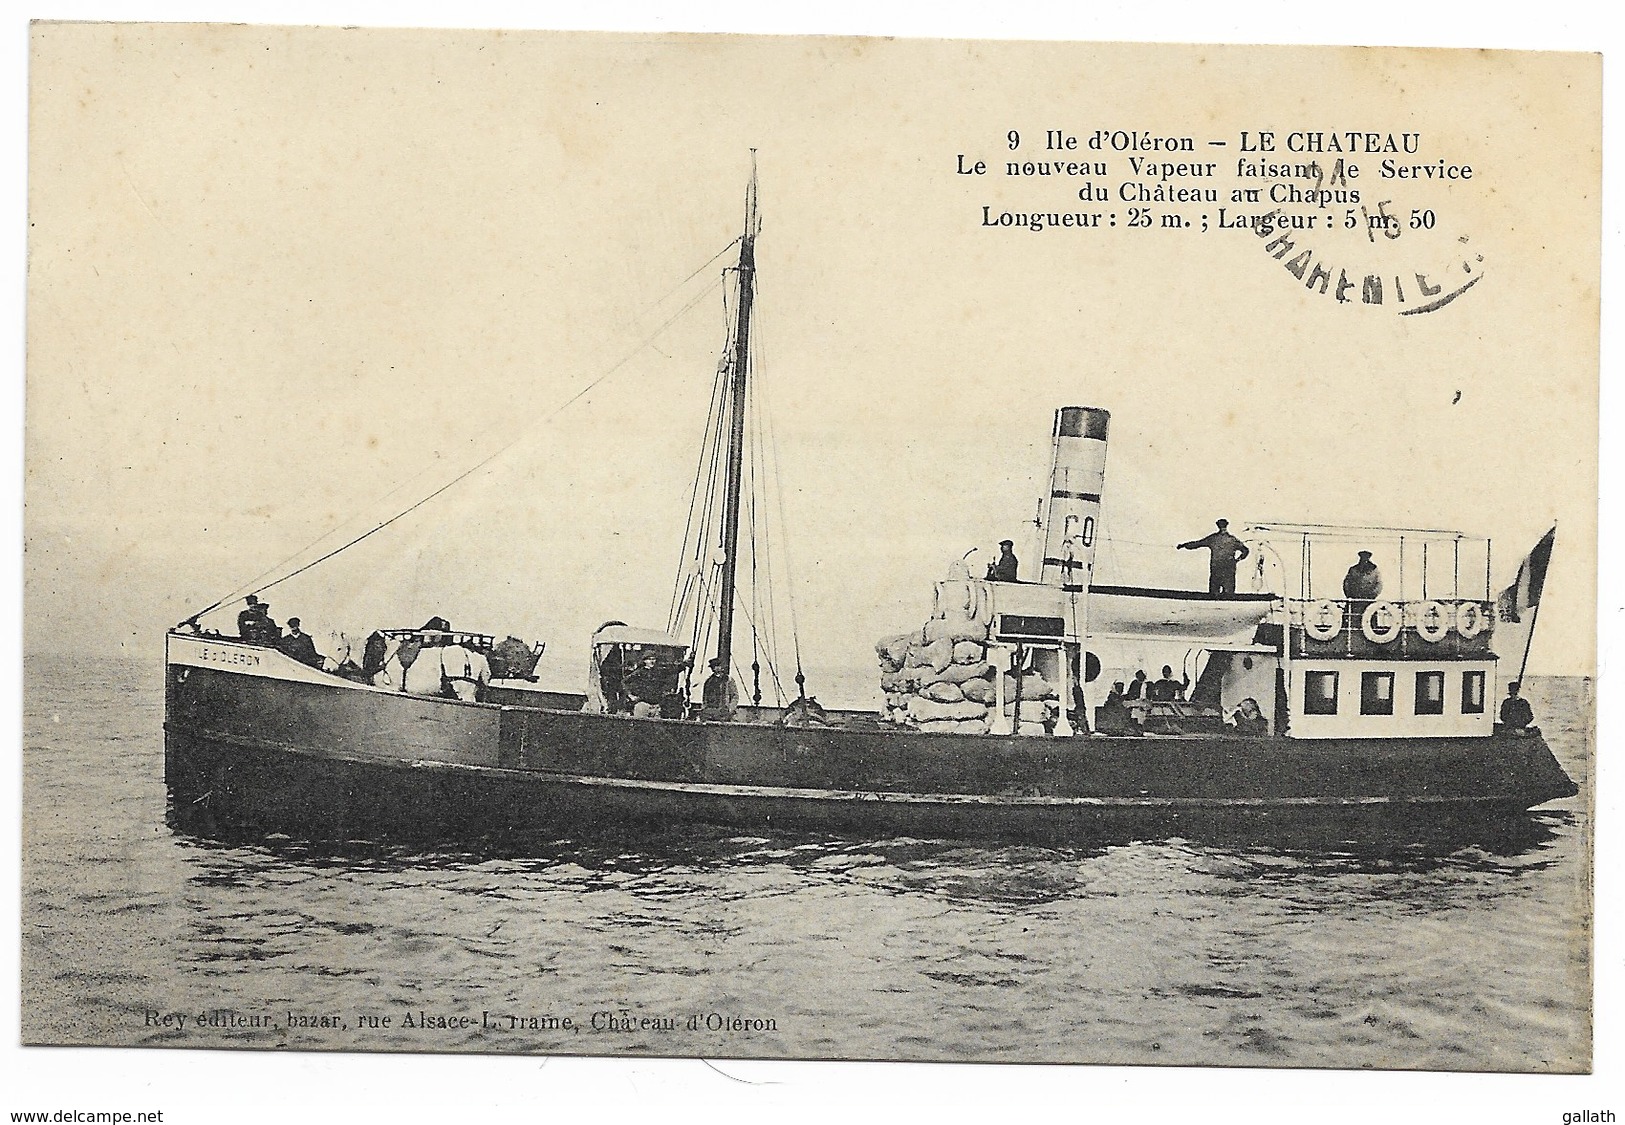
{"x": 1361, "y": 710}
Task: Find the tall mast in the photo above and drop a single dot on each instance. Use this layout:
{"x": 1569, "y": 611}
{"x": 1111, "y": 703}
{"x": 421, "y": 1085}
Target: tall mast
{"x": 739, "y": 364}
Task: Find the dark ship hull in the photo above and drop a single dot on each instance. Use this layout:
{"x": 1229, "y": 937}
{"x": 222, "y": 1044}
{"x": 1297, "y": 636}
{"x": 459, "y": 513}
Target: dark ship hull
{"x": 255, "y": 753}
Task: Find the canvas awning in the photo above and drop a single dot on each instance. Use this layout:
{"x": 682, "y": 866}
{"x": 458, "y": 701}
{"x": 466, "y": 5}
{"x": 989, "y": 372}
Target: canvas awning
{"x": 630, "y": 635}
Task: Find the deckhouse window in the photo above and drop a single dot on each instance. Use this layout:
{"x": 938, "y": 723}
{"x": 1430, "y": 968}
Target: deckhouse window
{"x": 1472, "y": 693}
{"x": 1430, "y": 693}
{"x": 1320, "y": 693}
{"x": 1376, "y": 693}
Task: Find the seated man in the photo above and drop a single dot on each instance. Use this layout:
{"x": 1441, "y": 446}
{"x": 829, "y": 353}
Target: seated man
{"x": 1112, "y": 716}
{"x": 1167, "y": 689}
{"x": 299, "y": 645}
{"x": 1516, "y": 714}
{"x": 1249, "y": 719}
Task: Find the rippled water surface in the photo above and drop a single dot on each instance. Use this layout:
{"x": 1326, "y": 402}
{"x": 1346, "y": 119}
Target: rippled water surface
{"x": 1460, "y": 953}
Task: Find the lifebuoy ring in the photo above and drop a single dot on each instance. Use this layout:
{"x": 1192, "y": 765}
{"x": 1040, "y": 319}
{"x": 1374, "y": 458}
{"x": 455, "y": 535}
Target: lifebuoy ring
{"x": 1381, "y": 634}
{"x": 1471, "y": 619}
{"x": 1323, "y": 620}
{"x": 1432, "y": 622}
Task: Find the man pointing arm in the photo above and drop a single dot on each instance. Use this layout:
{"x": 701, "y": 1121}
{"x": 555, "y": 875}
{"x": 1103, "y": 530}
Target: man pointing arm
{"x": 1224, "y": 552}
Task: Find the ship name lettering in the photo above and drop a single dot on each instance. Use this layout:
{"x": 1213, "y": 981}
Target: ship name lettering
{"x": 1316, "y": 141}
{"x": 229, "y": 656}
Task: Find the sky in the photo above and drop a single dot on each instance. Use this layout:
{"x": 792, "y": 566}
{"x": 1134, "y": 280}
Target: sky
{"x": 283, "y": 281}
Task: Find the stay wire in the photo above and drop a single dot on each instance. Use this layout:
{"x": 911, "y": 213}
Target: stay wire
{"x": 789, "y": 569}
{"x": 242, "y": 591}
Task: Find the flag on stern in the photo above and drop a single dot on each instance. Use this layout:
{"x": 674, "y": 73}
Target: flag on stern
{"x": 1524, "y": 593}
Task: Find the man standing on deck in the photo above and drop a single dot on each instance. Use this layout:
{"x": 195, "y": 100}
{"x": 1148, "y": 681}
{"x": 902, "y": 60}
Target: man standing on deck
{"x": 254, "y": 623}
{"x": 1363, "y": 582}
{"x": 1516, "y": 714}
{"x": 719, "y": 699}
{"x": 1224, "y": 552}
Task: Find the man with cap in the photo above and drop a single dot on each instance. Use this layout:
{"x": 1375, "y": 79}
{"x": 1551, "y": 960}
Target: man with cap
{"x": 299, "y": 645}
{"x": 1363, "y": 582}
{"x": 719, "y": 699}
{"x": 1516, "y": 714}
{"x": 254, "y": 623}
{"x": 1224, "y": 552}
{"x": 1005, "y": 569}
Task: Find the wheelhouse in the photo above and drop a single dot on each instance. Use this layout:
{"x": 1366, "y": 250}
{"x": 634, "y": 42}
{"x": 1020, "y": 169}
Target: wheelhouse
{"x": 1398, "y": 644}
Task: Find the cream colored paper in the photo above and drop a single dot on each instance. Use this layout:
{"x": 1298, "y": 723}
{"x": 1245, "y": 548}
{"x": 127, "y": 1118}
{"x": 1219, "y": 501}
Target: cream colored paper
{"x": 286, "y": 280}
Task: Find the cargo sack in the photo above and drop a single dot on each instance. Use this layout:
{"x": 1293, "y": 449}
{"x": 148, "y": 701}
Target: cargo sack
{"x": 938, "y": 655}
{"x": 979, "y": 691}
{"x": 944, "y": 693}
{"x": 950, "y": 726}
{"x": 1033, "y": 686}
{"x": 928, "y": 711}
{"x": 964, "y": 673}
{"x": 894, "y": 649}
{"x": 939, "y": 629}
{"x": 956, "y": 601}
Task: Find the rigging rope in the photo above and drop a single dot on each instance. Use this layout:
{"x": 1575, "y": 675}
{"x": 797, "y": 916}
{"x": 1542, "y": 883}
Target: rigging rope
{"x": 784, "y": 527}
{"x": 252, "y": 588}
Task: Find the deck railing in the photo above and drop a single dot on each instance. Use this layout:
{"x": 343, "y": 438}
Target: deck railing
{"x": 1388, "y": 629}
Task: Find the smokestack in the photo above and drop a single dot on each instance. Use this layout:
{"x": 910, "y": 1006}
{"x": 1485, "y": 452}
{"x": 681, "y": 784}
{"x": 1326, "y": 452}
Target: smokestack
{"x": 1077, "y": 476}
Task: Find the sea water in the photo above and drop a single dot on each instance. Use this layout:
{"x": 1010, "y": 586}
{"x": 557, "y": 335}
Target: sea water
{"x": 1453, "y": 954}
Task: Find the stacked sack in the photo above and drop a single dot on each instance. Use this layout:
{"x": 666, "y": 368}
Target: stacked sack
{"x": 1039, "y": 703}
{"x": 939, "y": 680}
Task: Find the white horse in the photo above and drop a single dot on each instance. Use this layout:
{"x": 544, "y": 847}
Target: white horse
{"x": 418, "y": 669}
{"x": 339, "y": 649}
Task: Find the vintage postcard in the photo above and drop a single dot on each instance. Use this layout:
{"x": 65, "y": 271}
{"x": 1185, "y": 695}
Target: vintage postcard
{"x": 810, "y": 548}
